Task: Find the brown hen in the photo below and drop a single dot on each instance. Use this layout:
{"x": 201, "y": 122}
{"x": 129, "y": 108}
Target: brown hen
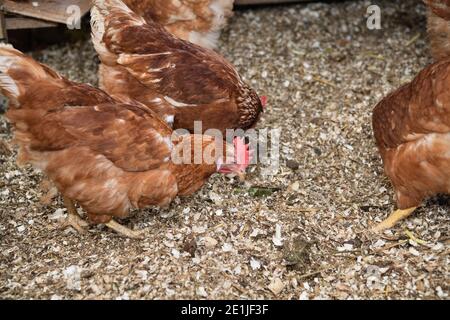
{"x": 439, "y": 28}
{"x": 199, "y": 21}
{"x": 108, "y": 156}
{"x": 412, "y": 131}
{"x": 180, "y": 81}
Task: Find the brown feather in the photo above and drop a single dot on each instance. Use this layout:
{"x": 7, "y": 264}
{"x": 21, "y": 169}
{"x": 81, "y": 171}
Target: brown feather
{"x": 106, "y": 155}
{"x": 145, "y": 62}
{"x": 412, "y": 131}
{"x": 196, "y": 21}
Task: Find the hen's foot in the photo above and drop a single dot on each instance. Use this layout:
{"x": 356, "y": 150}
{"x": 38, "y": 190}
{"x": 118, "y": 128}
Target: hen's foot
{"x": 73, "y": 219}
{"x": 76, "y": 222}
{"x": 395, "y": 217}
{"x": 48, "y": 197}
{"x": 124, "y": 231}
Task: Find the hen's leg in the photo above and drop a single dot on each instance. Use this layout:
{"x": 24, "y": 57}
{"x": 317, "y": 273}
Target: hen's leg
{"x": 73, "y": 219}
{"x": 395, "y": 217}
{"x": 48, "y": 197}
{"x": 124, "y": 231}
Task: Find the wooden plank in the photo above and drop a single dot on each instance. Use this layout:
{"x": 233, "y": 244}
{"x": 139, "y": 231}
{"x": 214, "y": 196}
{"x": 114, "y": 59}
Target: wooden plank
{"x": 3, "y": 34}
{"x": 50, "y": 10}
{"x": 16, "y": 23}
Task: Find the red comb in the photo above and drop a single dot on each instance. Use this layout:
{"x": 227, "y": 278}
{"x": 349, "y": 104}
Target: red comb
{"x": 264, "y": 100}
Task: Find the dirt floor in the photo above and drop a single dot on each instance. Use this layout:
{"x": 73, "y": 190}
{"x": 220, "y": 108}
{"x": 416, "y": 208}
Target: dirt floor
{"x": 323, "y": 71}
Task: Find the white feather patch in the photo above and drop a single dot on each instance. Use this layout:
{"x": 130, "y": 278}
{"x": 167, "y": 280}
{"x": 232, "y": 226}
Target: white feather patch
{"x": 177, "y": 103}
{"x": 207, "y": 40}
{"x": 100, "y": 10}
{"x": 6, "y": 82}
{"x": 9, "y": 85}
{"x": 168, "y": 142}
{"x": 169, "y": 119}
{"x": 97, "y": 32}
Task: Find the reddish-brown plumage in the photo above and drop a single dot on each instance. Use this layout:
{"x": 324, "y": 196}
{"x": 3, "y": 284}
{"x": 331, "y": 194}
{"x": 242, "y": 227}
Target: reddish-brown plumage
{"x": 199, "y": 22}
{"x": 439, "y": 28}
{"x": 440, "y": 8}
{"x": 182, "y": 82}
{"x": 106, "y": 155}
{"x": 412, "y": 131}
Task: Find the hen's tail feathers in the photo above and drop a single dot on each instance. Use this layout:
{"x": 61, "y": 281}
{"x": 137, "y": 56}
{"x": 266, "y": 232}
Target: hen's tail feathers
{"x": 18, "y": 72}
{"x": 110, "y": 16}
{"x": 222, "y": 10}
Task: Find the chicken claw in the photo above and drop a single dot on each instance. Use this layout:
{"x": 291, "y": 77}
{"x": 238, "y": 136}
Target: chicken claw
{"x": 395, "y": 217}
{"x": 124, "y": 231}
{"x": 73, "y": 219}
{"x": 48, "y": 197}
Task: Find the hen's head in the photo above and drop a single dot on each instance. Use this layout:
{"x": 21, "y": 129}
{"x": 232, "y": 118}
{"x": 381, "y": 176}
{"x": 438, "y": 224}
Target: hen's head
{"x": 237, "y": 160}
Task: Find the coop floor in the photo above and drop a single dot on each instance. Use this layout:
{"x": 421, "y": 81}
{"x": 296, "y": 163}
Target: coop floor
{"x": 323, "y": 72}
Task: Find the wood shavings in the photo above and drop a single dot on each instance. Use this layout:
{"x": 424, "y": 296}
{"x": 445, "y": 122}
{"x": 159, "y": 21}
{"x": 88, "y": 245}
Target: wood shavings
{"x": 328, "y": 156}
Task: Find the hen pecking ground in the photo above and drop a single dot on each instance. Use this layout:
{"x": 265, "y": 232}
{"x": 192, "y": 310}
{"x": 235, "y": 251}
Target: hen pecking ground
{"x": 323, "y": 71}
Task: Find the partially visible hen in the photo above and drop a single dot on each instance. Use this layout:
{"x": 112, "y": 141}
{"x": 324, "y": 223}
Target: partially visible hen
{"x": 108, "y": 156}
{"x": 412, "y": 131}
{"x": 179, "y": 80}
{"x": 439, "y": 28}
{"x": 197, "y": 21}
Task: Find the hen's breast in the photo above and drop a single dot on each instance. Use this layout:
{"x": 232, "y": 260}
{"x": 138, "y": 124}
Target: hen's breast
{"x": 412, "y": 131}
{"x": 419, "y": 169}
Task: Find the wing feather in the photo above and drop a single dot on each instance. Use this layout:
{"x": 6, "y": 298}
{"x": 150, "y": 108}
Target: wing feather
{"x": 160, "y": 61}
{"x": 416, "y": 109}
{"x": 130, "y": 137}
